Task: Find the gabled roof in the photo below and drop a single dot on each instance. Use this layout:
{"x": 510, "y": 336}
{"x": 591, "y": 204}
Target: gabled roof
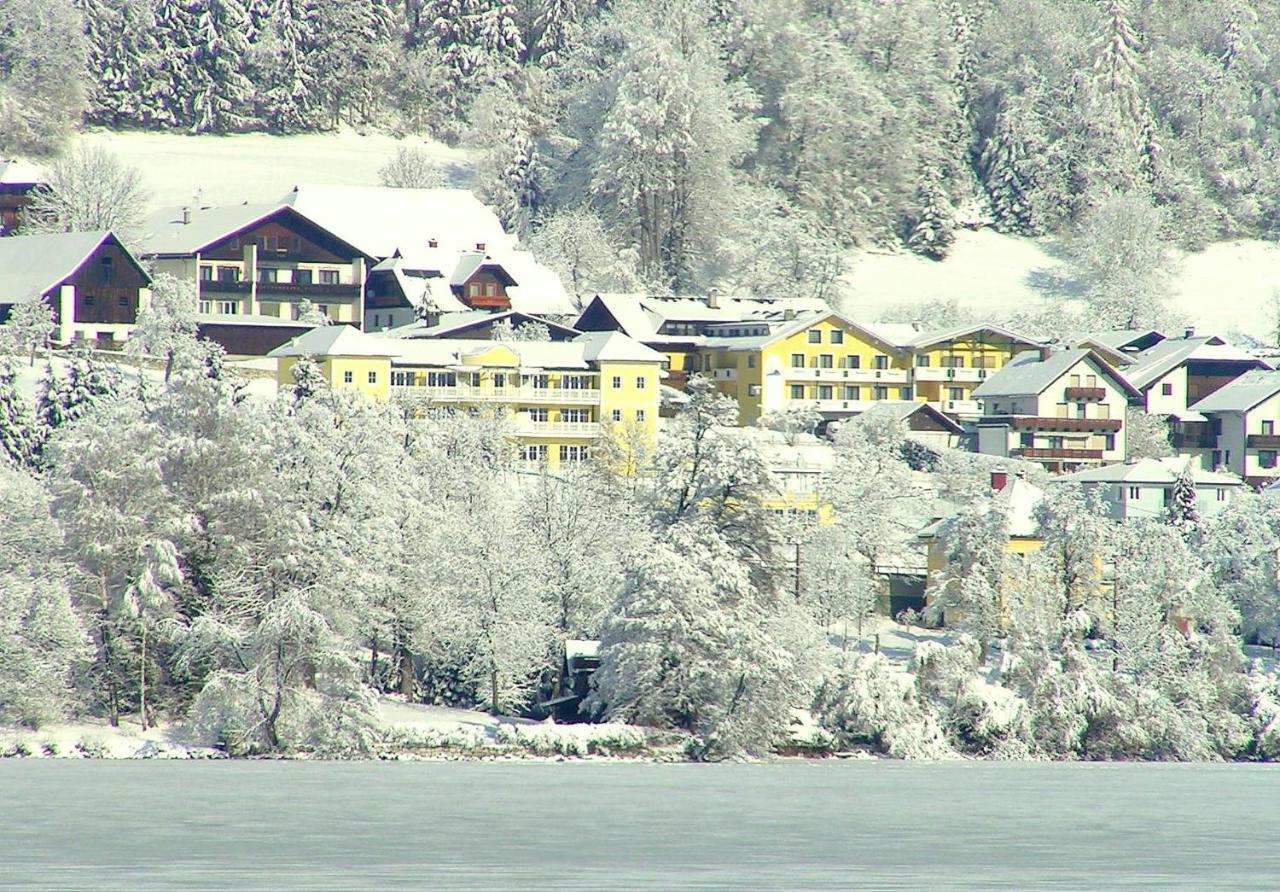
{"x": 614, "y": 346}
{"x": 641, "y": 315}
{"x": 937, "y": 336}
{"x": 630, "y": 313}
{"x": 336, "y": 340}
{"x": 1153, "y": 364}
{"x": 1242, "y": 394}
{"x": 802, "y": 323}
{"x": 598, "y": 346}
{"x": 1130, "y": 339}
{"x": 455, "y": 325}
{"x": 20, "y": 173}
{"x": 1019, "y": 500}
{"x": 901, "y": 410}
{"x": 474, "y": 262}
{"x": 33, "y": 265}
{"x": 1157, "y": 472}
{"x": 1029, "y": 375}
{"x": 166, "y": 235}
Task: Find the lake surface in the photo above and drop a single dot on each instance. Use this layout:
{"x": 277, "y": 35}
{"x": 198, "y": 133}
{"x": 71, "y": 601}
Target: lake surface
{"x": 137, "y": 826}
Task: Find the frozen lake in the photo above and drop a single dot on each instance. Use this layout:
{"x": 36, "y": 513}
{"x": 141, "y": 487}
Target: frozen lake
{"x": 831, "y": 825}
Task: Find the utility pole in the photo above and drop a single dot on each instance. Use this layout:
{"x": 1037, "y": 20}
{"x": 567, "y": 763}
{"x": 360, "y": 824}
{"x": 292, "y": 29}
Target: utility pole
{"x": 797, "y": 572}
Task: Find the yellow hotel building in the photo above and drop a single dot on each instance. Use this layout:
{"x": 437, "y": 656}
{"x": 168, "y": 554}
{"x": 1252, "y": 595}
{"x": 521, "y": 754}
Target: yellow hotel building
{"x": 563, "y": 396}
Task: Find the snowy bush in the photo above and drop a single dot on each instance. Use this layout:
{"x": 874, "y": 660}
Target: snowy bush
{"x": 464, "y": 738}
{"x": 869, "y": 703}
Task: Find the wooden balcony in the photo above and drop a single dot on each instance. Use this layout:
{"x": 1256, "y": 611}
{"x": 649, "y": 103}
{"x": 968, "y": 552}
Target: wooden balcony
{"x": 1263, "y": 441}
{"x": 1043, "y": 423}
{"x": 267, "y": 290}
{"x": 1193, "y": 440}
{"x": 1086, "y": 393}
{"x": 1058, "y": 454}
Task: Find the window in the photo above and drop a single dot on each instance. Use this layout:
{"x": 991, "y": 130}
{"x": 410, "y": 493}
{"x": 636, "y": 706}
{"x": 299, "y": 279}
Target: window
{"x": 1027, "y": 441}
{"x": 322, "y": 309}
{"x": 955, "y": 393}
{"x": 228, "y": 274}
{"x": 373, "y": 377}
{"x": 1222, "y": 495}
{"x": 107, "y": 269}
{"x": 824, "y": 392}
{"x": 797, "y": 391}
{"x": 328, "y": 277}
{"x": 853, "y": 393}
{"x": 1167, "y": 496}
{"x": 1166, "y": 389}
{"x": 402, "y": 379}
{"x": 751, "y": 360}
{"x": 89, "y": 300}
{"x": 228, "y": 307}
{"x": 206, "y": 306}
{"x": 617, "y": 381}
{"x": 837, "y": 336}
{"x": 1268, "y": 428}
{"x": 271, "y": 244}
{"x": 826, "y": 361}
{"x": 853, "y": 362}
{"x": 922, "y": 361}
{"x": 1266, "y": 458}
{"x": 882, "y": 361}
{"x": 1080, "y": 410}
{"x": 573, "y": 453}
{"x": 267, "y": 274}
{"x": 639, "y": 382}
{"x": 490, "y": 289}
{"x": 904, "y": 393}
{"x": 879, "y": 393}
{"x": 206, "y": 274}
{"x": 576, "y": 416}
{"x": 348, "y": 377}
{"x": 1056, "y": 442}
{"x": 953, "y": 362}
{"x": 1134, "y": 493}
{"x": 474, "y": 289}
{"x": 302, "y": 276}
{"x": 1109, "y": 442}
{"x": 797, "y": 360}
{"x": 616, "y": 414}
{"x": 639, "y": 414}
{"x": 538, "y": 415}
{"x": 122, "y": 302}
{"x": 815, "y": 336}
{"x": 535, "y": 453}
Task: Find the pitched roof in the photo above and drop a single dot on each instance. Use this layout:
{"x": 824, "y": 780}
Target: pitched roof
{"x": 450, "y": 324}
{"x": 336, "y": 340}
{"x": 797, "y": 325}
{"x": 1119, "y": 340}
{"x": 1019, "y": 500}
{"x": 32, "y": 265}
{"x": 166, "y": 234}
{"x": 614, "y": 346}
{"x": 641, "y": 315}
{"x": 20, "y": 173}
{"x": 1242, "y": 394}
{"x": 1029, "y": 375}
{"x": 596, "y": 346}
{"x": 1164, "y": 471}
{"x": 1153, "y": 364}
{"x": 930, "y": 337}
{"x": 901, "y": 410}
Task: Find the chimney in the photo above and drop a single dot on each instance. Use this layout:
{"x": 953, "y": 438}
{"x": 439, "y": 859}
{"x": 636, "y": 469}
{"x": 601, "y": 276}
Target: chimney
{"x": 999, "y": 480}
{"x": 186, "y": 216}
{"x": 1045, "y": 352}
{"x": 713, "y": 300}
{"x": 1189, "y": 333}
{"x": 788, "y": 315}
{"x": 432, "y": 243}
{"x": 480, "y": 246}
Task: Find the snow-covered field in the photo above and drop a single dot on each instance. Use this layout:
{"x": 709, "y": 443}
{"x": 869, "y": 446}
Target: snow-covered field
{"x": 256, "y": 167}
{"x": 1227, "y": 287}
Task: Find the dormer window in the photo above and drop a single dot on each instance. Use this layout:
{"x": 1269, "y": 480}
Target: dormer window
{"x": 432, "y": 243}
{"x": 479, "y": 246}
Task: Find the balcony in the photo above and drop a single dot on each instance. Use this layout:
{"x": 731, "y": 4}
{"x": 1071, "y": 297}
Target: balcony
{"x": 969, "y": 408}
{"x": 1043, "y": 423}
{"x": 930, "y": 373}
{"x": 526, "y": 428}
{"x": 1193, "y": 440}
{"x": 1063, "y": 454}
{"x": 1086, "y": 393}
{"x": 465, "y": 393}
{"x": 283, "y": 289}
{"x": 878, "y": 376}
{"x": 1263, "y": 441}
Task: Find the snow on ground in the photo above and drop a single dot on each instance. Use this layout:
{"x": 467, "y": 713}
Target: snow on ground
{"x": 259, "y": 374}
{"x": 1227, "y": 287}
{"x": 95, "y": 738}
{"x": 257, "y": 167}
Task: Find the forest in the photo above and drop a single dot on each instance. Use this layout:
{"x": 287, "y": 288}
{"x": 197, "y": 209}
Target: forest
{"x": 738, "y": 145}
{"x": 259, "y": 570}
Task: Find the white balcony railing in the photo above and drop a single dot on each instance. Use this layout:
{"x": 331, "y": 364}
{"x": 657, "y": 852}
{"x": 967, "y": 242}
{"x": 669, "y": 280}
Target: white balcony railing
{"x": 465, "y": 393}
{"x": 969, "y": 376}
{"x": 874, "y": 376}
{"x": 528, "y": 428}
{"x": 961, "y": 407}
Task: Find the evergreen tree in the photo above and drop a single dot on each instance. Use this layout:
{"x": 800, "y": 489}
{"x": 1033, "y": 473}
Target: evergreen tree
{"x": 284, "y": 74}
{"x": 220, "y": 92}
{"x": 1183, "y": 512}
{"x": 17, "y": 425}
{"x": 933, "y": 231}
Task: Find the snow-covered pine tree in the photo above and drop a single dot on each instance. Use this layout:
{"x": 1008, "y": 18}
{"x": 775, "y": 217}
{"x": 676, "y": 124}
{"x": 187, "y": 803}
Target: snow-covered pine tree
{"x": 1183, "y": 513}
{"x": 167, "y": 323}
{"x": 555, "y": 28}
{"x": 220, "y": 92}
{"x": 284, "y": 74}
{"x": 17, "y": 425}
{"x": 478, "y": 42}
{"x": 933, "y": 229}
{"x": 28, "y": 328}
{"x": 1006, "y": 168}
{"x": 308, "y": 380}
{"x": 61, "y": 400}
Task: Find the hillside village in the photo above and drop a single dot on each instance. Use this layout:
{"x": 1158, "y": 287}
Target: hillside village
{"x": 855, "y": 472}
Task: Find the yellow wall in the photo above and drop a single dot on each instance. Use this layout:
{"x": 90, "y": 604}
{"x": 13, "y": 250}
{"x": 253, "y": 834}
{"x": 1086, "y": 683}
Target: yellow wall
{"x": 335, "y": 369}
{"x": 980, "y": 350}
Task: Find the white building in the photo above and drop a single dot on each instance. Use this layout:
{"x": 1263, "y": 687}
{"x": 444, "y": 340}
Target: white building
{"x": 1144, "y": 488}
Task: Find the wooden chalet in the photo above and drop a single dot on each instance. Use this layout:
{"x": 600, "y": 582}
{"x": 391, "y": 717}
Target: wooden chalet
{"x": 18, "y": 183}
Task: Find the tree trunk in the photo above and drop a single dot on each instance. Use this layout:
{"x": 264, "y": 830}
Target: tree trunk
{"x": 142, "y": 679}
{"x": 406, "y": 673}
{"x": 168, "y": 365}
{"x": 493, "y": 691}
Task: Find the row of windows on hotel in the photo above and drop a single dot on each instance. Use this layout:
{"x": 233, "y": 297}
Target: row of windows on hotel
{"x": 848, "y": 392}
{"x": 232, "y": 308}
{"x": 501, "y": 380}
{"x": 537, "y": 452}
{"x": 267, "y": 274}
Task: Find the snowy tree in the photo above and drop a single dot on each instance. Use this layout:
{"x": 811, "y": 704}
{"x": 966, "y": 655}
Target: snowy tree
{"x": 42, "y": 53}
{"x": 30, "y": 325}
{"x": 353, "y": 57}
{"x": 309, "y": 314}
{"x": 557, "y": 26}
{"x": 1243, "y": 561}
{"x": 574, "y": 243}
{"x": 148, "y": 599}
{"x": 1146, "y": 435}
{"x": 836, "y": 584}
{"x": 792, "y": 421}
{"x": 1183, "y": 513}
{"x": 308, "y": 380}
{"x": 17, "y": 425}
{"x": 505, "y": 131}
{"x": 971, "y": 589}
{"x": 89, "y": 190}
{"x": 62, "y": 400}
{"x": 692, "y": 644}
{"x": 505, "y": 330}
{"x": 411, "y": 167}
{"x": 933, "y": 230}
{"x": 167, "y": 324}
{"x": 282, "y": 67}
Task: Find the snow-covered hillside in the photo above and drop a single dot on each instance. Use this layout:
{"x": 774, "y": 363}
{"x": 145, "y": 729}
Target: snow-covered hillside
{"x": 1226, "y": 288}
{"x": 255, "y": 167}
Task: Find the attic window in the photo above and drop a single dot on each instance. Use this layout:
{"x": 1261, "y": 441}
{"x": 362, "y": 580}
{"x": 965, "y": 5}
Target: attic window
{"x": 107, "y": 269}
{"x": 479, "y": 246}
{"x": 432, "y": 243}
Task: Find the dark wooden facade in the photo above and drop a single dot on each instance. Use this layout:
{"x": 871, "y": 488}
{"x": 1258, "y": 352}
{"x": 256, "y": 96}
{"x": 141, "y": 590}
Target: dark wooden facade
{"x": 486, "y": 288}
{"x": 286, "y": 238}
{"x": 107, "y": 286}
{"x": 14, "y": 199}
{"x": 247, "y": 338}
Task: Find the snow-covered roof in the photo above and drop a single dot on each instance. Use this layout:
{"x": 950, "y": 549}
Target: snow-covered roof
{"x": 165, "y": 234}
{"x": 1153, "y": 364}
{"x": 1120, "y": 340}
{"x": 336, "y": 340}
{"x": 450, "y": 323}
{"x": 929, "y": 337}
{"x": 1019, "y": 500}
{"x": 899, "y": 410}
{"x": 1027, "y": 374}
{"x": 1242, "y": 394}
{"x": 641, "y": 315}
{"x": 784, "y": 452}
{"x": 20, "y": 173}
{"x": 579, "y": 353}
{"x": 33, "y": 265}
{"x": 1158, "y": 472}
{"x": 446, "y": 231}
{"x": 614, "y": 346}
